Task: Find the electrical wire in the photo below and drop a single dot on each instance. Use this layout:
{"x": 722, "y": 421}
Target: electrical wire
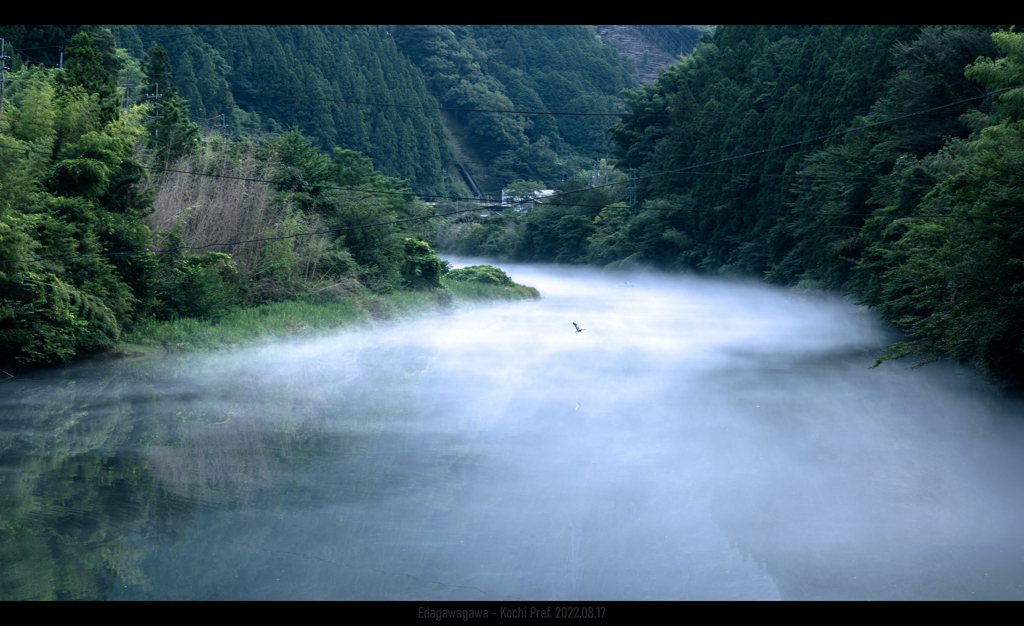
{"x": 799, "y": 213}
{"x": 804, "y": 141}
{"x": 214, "y": 29}
{"x": 680, "y": 170}
{"x": 586, "y": 189}
{"x": 688, "y": 114}
{"x": 233, "y": 243}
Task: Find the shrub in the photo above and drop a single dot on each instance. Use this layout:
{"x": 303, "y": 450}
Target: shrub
{"x": 487, "y": 274}
{"x": 421, "y": 268}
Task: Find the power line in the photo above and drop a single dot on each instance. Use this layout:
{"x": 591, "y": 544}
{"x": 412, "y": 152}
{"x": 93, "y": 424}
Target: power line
{"x": 799, "y": 213}
{"x": 485, "y": 207}
{"x": 819, "y": 138}
{"x": 681, "y": 170}
{"x": 233, "y": 243}
{"x": 215, "y": 29}
{"x": 851, "y": 177}
{"x": 688, "y": 114}
{"x": 203, "y": 122}
{"x": 541, "y": 165}
{"x": 413, "y": 194}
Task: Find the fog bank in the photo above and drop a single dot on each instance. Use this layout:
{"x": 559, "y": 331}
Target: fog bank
{"x": 700, "y": 439}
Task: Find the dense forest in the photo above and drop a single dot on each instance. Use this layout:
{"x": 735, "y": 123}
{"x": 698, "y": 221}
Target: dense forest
{"x": 257, "y": 81}
{"x": 261, "y": 80}
{"x": 920, "y": 217}
{"x": 86, "y": 184}
{"x": 879, "y": 162}
{"x": 523, "y": 68}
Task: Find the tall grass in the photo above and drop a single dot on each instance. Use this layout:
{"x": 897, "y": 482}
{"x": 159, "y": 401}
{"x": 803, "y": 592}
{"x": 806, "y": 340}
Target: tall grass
{"x": 280, "y": 320}
{"x": 266, "y": 322}
{"x": 232, "y": 206}
{"x": 471, "y": 291}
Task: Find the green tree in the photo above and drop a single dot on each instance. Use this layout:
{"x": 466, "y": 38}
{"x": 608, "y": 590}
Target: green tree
{"x": 157, "y": 66}
{"x": 956, "y": 284}
{"x": 421, "y": 268}
{"x": 521, "y": 191}
{"x": 1003, "y": 73}
{"x": 84, "y": 68}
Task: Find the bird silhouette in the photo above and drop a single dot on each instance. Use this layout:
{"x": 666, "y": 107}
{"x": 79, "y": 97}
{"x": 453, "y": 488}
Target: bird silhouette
{"x": 578, "y": 329}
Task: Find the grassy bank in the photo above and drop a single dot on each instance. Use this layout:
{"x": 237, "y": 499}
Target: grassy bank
{"x": 282, "y": 320}
{"x": 471, "y": 292}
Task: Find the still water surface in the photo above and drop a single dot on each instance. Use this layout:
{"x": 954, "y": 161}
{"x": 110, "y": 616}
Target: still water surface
{"x": 699, "y": 440}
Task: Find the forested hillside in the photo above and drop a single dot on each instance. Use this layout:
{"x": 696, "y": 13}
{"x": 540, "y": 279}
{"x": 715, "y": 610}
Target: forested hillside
{"x": 298, "y": 76}
{"x": 257, "y": 81}
{"x": 741, "y": 156}
{"x": 919, "y": 217}
{"x": 522, "y": 68}
{"x": 88, "y": 187}
{"x": 96, "y": 169}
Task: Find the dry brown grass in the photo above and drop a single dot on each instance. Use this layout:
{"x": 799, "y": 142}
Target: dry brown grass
{"x": 228, "y": 208}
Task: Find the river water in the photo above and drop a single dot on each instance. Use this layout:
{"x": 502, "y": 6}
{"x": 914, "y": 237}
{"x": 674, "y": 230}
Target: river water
{"x": 700, "y": 439}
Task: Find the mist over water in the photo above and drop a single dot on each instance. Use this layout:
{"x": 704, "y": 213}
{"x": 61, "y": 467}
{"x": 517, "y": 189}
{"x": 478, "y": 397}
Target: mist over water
{"x": 701, "y": 439}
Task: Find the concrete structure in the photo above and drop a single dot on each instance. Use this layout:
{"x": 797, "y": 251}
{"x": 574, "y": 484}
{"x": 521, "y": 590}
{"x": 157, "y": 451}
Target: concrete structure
{"x": 506, "y": 200}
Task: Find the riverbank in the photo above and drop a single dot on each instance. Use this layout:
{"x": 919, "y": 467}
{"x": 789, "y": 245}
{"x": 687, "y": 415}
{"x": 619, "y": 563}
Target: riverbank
{"x": 286, "y": 320}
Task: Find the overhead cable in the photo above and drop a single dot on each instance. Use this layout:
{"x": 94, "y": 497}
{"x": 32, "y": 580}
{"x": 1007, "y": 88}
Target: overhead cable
{"x": 688, "y": 114}
{"x": 680, "y": 170}
{"x": 804, "y": 141}
{"x": 233, "y": 243}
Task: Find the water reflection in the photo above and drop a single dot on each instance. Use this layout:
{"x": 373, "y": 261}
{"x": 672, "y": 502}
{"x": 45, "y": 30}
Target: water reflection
{"x": 701, "y": 440}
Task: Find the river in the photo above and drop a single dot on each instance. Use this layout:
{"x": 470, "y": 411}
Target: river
{"x": 700, "y": 439}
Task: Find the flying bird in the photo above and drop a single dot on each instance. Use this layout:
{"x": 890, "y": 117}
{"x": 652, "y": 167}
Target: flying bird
{"x": 578, "y": 329}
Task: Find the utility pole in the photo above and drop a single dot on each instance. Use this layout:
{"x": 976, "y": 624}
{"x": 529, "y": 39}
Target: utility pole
{"x": 632, "y": 189}
{"x": 127, "y": 90}
{"x": 61, "y": 57}
{"x": 156, "y": 108}
{"x": 3, "y": 73}
{"x": 224, "y": 125}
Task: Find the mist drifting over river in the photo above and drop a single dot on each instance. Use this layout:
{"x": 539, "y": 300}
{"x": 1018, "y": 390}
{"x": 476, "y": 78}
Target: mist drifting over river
{"x": 701, "y": 439}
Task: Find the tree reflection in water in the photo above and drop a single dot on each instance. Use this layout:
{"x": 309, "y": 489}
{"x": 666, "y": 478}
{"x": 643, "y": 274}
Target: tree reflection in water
{"x": 744, "y": 453}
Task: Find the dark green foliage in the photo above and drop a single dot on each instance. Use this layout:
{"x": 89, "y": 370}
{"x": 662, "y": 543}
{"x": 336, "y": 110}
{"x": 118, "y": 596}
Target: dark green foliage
{"x": 531, "y": 68}
{"x": 486, "y": 282}
{"x": 844, "y": 214}
{"x": 43, "y": 319}
{"x": 200, "y": 286}
{"x": 85, "y": 68}
{"x": 173, "y": 134}
{"x": 956, "y": 284}
{"x": 106, "y": 46}
{"x": 157, "y": 67}
{"x": 43, "y": 42}
{"x": 487, "y": 274}
{"x": 316, "y": 67}
{"x": 421, "y": 268}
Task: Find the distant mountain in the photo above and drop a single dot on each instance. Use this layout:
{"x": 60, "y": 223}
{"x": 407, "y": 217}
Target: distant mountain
{"x": 270, "y": 78}
{"x": 265, "y": 79}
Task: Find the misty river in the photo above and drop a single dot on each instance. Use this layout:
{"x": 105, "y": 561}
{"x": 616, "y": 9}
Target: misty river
{"x": 700, "y": 439}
